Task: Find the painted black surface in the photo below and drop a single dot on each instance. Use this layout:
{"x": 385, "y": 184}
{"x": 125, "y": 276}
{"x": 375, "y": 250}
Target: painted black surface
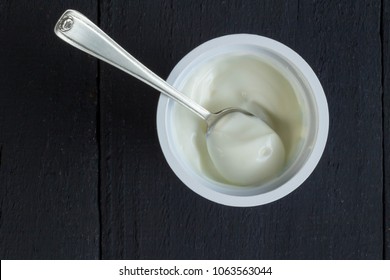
{"x": 48, "y": 172}
{"x": 385, "y": 36}
{"x": 81, "y": 171}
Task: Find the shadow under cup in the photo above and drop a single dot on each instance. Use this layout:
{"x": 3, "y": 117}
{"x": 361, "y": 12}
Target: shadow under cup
{"x": 315, "y": 118}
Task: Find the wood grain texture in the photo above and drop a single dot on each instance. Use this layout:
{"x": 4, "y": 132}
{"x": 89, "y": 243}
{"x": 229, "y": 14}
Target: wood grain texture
{"x": 385, "y": 33}
{"x": 48, "y": 149}
{"x": 147, "y": 213}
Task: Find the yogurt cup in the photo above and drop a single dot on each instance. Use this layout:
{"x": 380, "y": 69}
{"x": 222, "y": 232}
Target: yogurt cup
{"x": 315, "y": 110}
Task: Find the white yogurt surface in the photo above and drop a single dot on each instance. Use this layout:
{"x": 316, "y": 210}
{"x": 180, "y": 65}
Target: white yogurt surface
{"x": 244, "y": 150}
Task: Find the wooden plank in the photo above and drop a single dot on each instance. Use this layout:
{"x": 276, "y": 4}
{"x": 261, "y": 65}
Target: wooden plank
{"x": 385, "y": 36}
{"x": 48, "y": 149}
{"x": 147, "y": 213}
{"x": 343, "y": 46}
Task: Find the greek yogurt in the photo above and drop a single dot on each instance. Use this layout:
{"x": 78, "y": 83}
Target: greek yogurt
{"x": 242, "y": 150}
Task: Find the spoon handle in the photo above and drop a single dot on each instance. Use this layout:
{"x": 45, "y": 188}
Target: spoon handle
{"x": 78, "y": 31}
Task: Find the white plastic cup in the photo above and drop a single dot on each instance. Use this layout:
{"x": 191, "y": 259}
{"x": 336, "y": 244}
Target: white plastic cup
{"x": 310, "y": 151}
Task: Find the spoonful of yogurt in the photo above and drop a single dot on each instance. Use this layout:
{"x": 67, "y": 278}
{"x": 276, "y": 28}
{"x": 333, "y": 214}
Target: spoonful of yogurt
{"x": 243, "y": 147}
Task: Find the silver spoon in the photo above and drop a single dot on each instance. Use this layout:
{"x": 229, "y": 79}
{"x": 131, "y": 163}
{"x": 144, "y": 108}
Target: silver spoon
{"x": 78, "y": 31}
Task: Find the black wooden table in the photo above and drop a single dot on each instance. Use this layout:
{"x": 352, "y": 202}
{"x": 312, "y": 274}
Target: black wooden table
{"x": 82, "y": 175}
